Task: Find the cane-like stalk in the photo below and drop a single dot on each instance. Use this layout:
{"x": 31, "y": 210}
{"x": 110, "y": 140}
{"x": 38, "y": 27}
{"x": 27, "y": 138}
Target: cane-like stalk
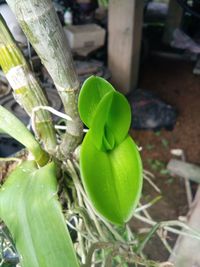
{"x": 26, "y": 88}
{"x": 29, "y": 205}
{"x": 41, "y": 25}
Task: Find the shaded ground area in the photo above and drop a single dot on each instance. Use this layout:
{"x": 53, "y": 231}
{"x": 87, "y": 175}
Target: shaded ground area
{"x": 174, "y": 83}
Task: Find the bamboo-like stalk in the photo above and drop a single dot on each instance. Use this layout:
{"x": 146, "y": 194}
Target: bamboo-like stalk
{"x": 41, "y": 25}
{"x": 26, "y": 88}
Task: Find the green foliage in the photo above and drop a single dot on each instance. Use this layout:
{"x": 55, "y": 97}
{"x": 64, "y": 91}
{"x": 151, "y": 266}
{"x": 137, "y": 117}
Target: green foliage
{"x": 165, "y": 143}
{"x": 92, "y": 91}
{"x": 158, "y": 166}
{"x": 15, "y": 128}
{"x": 111, "y": 167}
{"x": 30, "y": 208}
{"x": 103, "y": 3}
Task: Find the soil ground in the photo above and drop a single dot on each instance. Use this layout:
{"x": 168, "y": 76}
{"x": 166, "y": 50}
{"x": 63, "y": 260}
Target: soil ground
{"x": 173, "y": 82}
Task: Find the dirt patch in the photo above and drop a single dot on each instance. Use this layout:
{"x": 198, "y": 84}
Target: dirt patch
{"x": 6, "y": 167}
{"x": 174, "y": 83}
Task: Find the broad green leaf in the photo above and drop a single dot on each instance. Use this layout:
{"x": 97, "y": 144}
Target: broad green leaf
{"x": 15, "y": 128}
{"x": 111, "y": 121}
{"x": 30, "y": 209}
{"x": 111, "y": 167}
{"x": 92, "y": 91}
{"x": 112, "y": 180}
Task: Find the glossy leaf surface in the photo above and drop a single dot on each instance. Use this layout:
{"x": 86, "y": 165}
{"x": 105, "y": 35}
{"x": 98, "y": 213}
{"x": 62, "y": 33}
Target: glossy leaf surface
{"x": 111, "y": 167}
{"x": 93, "y": 89}
{"x": 112, "y": 180}
{"x": 111, "y": 121}
{"x": 30, "y": 208}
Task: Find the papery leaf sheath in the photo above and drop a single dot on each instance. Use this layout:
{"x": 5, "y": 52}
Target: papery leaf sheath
{"x": 30, "y": 209}
{"x": 112, "y": 180}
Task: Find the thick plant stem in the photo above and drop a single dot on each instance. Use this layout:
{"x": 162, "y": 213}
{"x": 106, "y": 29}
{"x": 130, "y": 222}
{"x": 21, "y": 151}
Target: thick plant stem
{"x": 41, "y": 25}
{"x": 27, "y": 90}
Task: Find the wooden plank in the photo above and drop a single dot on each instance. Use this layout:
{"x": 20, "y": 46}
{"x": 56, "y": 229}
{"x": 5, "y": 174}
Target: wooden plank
{"x": 184, "y": 169}
{"x": 173, "y": 21}
{"x": 125, "y": 29}
{"x": 186, "y": 251}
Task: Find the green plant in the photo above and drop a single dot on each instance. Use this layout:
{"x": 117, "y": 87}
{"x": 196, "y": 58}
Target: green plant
{"x": 28, "y": 198}
{"x": 31, "y": 196}
{"x": 110, "y": 162}
{"x": 103, "y": 3}
{"x": 29, "y": 203}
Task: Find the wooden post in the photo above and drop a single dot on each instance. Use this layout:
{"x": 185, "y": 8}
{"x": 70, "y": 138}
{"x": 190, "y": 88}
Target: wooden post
{"x": 125, "y": 29}
{"x": 174, "y": 18}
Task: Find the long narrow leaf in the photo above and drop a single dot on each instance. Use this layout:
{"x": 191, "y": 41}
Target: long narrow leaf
{"x": 30, "y": 209}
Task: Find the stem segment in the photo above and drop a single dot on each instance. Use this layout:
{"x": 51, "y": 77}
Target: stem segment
{"x": 27, "y": 90}
{"x": 41, "y": 25}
